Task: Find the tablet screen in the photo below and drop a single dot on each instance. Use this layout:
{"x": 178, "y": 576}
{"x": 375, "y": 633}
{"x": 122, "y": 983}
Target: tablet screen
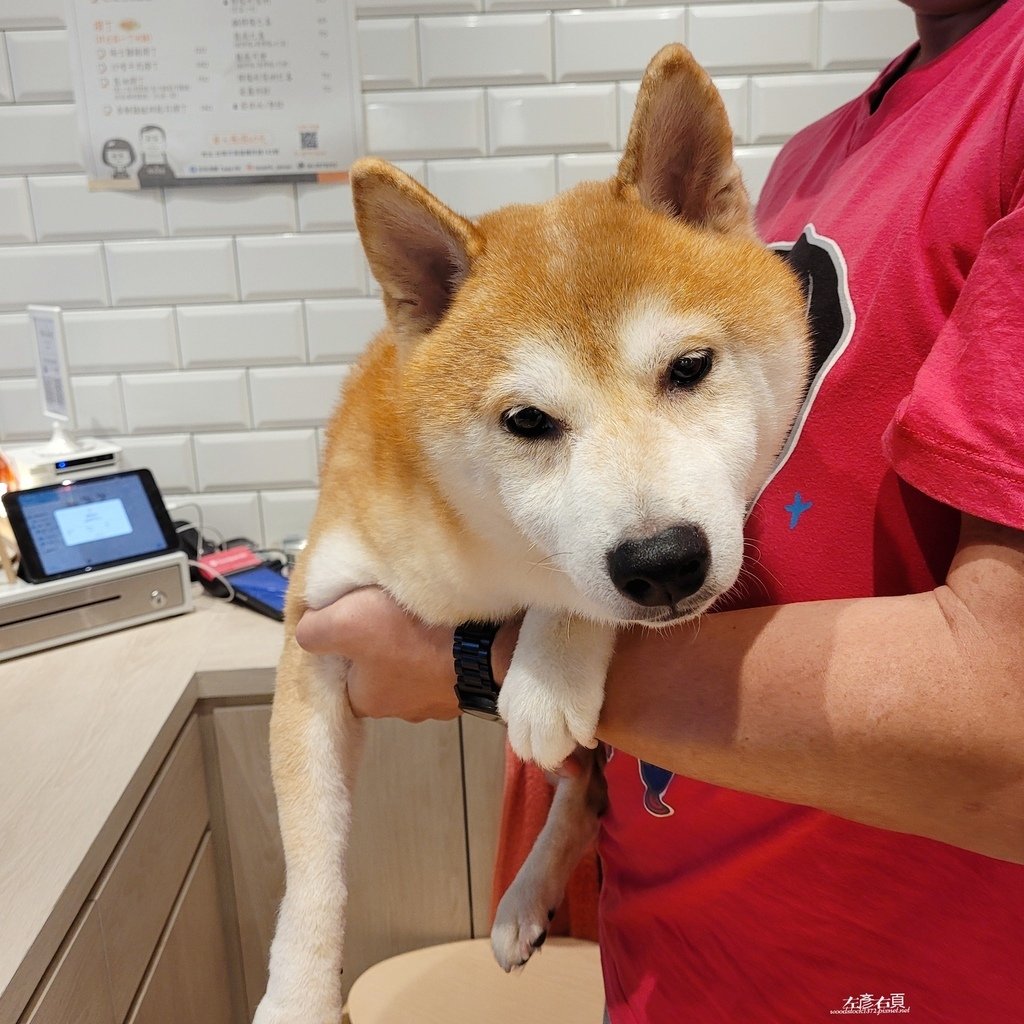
{"x": 73, "y": 527}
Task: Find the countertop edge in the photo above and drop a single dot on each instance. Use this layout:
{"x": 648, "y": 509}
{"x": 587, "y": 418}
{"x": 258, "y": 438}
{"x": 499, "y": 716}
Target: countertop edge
{"x": 210, "y": 676}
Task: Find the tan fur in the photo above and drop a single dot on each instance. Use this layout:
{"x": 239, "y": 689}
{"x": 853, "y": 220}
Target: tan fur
{"x": 373, "y": 471}
{"x": 467, "y": 304}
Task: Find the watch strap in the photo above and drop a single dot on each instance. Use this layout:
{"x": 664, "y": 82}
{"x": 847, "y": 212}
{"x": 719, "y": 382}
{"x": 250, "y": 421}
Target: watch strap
{"x": 475, "y": 688}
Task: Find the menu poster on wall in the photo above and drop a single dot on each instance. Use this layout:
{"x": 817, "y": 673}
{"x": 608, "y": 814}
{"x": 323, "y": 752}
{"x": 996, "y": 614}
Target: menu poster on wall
{"x": 190, "y": 92}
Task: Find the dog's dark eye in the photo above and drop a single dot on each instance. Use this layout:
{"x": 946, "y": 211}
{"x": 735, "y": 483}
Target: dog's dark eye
{"x": 528, "y": 422}
{"x": 689, "y": 370}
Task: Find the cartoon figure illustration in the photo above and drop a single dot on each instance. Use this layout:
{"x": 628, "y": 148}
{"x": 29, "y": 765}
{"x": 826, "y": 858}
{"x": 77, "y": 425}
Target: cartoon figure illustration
{"x": 155, "y": 169}
{"x": 656, "y": 782}
{"x": 118, "y": 155}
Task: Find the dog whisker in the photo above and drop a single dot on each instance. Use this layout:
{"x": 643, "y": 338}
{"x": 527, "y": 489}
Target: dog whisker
{"x": 545, "y": 562}
{"x": 764, "y": 569}
{"x": 755, "y": 559}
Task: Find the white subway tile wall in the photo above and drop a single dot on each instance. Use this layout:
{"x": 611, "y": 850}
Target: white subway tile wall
{"x": 243, "y": 334}
{"x": 118, "y": 340}
{"x": 473, "y": 187}
{"x": 488, "y": 49}
{"x": 230, "y": 209}
{"x": 66, "y": 275}
{"x": 32, "y": 14}
{"x": 98, "y": 405}
{"x": 20, "y": 415}
{"x": 169, "y": 458}
{"x": 189, "y": 270}
{"x": 448, "y": 122}
{"x": 734, "y": 93}
{"x": 65, "y": 210}
{"x": 16, "y": 347}
{"x": 761, "y": 37}
{"x": 39, "y": 66}
{"x": 15, "y": 211}
{"x": 38, "y": 137}
{"x": 301, "y": 266}
{"x": 602, "y": 45}
{"x": 553, "y": 118}
{"x": 388, "y": 53}
{"x": 202, "y": 399}
{"x": 6, "y": 88}
{"x": 295, "y": 396}
{"x": 231, "y": 462}
{"x": 782, "y": 104}
{"x": 209, "y": 329}
{"x": 337, "y": 329}
{"x": 857, "y": 33}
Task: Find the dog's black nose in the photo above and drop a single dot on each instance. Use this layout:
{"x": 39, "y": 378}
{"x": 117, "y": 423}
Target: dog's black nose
{"x": 663, "y": 569}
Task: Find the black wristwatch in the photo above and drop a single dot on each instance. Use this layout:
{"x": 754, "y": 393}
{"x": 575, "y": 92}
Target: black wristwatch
{"x": 474, "y": 680}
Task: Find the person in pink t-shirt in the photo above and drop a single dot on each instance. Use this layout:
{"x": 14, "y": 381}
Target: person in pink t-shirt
{"x": 817, "y": 800}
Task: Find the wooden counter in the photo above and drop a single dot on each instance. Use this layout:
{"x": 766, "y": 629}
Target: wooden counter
{"x": 83, "y": 731}
{"x": 90, "y": 732}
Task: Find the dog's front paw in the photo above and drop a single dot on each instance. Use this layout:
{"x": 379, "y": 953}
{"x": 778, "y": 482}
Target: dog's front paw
{"x": 521, "y": 924}
{"x": 540, "y": 728}
{"x": 552, "y": 695}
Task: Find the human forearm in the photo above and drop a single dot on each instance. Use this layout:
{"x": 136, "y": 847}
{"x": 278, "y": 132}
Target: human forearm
{"x": 903, "y": 712}
{"x": 889, "y": 711}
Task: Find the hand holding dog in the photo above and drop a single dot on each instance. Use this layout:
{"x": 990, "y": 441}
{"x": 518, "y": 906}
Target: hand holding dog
{"x": 401, "y": 667}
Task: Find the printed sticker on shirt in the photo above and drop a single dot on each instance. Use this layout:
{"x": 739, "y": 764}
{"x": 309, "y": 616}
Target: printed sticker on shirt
{"x": 656, "y": 783}
{"x": 821, "y": 267}
{"x": 796, "y": 508}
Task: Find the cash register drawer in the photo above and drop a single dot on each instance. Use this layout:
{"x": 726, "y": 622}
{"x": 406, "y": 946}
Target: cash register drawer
{"x": 38, "y": 615}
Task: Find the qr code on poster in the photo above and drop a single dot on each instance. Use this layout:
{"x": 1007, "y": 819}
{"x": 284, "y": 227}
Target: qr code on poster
{"x": 309, "y": 140}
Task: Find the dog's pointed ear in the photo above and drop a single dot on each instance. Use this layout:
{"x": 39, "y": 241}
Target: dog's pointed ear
{"x": 419, "y": 250}
{"x": 678, "y": 158}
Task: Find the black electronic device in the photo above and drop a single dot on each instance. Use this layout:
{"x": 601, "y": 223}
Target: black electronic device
{"x": 77, "y": 526}
{"x": 263, "y": 589}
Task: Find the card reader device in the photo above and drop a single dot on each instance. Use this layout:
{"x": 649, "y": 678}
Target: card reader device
{"x": 97, "y": 555}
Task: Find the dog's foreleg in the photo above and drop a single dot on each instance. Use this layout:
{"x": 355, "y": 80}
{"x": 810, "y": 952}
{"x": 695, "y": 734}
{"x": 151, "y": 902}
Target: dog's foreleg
{"x": 315, "y": 745}
{"x": 526, "y": 909}
{"x": 552, "y": 695}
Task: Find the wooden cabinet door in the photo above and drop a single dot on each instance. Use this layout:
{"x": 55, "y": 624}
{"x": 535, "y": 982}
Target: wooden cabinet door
{"x": 187, "y": 982}
{"x": 483, "y": 758}
{"x": 409, "y": 859}
{"x": 77, "y": 991}
{"x": 143, "y": 878}
{"x": 241, "y": 737}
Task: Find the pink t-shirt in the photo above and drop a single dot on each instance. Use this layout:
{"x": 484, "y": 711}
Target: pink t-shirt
{"x": 907, "y": 224}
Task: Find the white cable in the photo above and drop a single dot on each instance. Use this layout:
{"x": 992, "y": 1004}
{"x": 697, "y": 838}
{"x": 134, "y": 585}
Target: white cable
{"x": 201, "y": 528}
{"x": 205, "y": 570}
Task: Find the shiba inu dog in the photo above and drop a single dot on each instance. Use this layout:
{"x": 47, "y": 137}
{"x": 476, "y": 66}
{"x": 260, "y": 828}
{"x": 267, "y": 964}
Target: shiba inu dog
{"x": 568, "y": 415}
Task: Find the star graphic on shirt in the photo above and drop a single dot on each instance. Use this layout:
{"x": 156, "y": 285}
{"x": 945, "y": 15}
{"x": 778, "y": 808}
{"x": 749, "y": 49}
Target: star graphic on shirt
{"x": 797, "y": 509}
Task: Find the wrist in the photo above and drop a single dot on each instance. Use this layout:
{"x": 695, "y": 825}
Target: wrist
{"x": 481, "y": 656}
{"x": 502, "y": 649}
